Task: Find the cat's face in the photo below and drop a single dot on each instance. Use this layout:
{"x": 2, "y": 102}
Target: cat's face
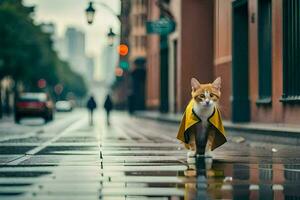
{"x": 206, "y": 95}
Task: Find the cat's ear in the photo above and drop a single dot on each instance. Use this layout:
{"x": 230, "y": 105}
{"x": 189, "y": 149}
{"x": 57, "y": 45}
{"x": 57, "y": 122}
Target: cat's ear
{"x": 217, "y": 83}
{"x": 195, "y": 84}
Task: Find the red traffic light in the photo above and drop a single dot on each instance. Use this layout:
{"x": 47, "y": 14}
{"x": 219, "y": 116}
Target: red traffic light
{"x": 123, "y": 49}
{"x": 58, "y": 88}
{"x": 42, "y": 83}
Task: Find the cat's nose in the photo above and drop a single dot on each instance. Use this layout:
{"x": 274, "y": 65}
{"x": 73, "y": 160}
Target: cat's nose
{"x": 207, "y": 102}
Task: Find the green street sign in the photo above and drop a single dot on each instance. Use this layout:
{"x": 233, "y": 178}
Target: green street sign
{"x": 162, "y": 26}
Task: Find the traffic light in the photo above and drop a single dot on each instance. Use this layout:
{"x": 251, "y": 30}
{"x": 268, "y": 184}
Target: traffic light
{"x": 119, "y": 72}
{"x": 124, "y": 65}
{"x": 123, "y": 49}
{"x": 42, "y": 83}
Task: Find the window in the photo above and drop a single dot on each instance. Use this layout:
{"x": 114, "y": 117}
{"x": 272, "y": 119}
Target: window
{"x": 137, "y": 42}
{"x": 144, "y": 3}
{"x": 264, "y": 52}
{"x": 144, "y": 41}
{"x": 144, "y": 19}
{"x": 291, "y": 51}
{"x": 137, "y": 20}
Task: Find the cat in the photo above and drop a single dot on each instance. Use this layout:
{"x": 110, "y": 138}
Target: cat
{"x": 206, "y": 98}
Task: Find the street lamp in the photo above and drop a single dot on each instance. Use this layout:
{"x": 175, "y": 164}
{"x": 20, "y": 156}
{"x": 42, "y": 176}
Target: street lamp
{"x": 111, "y": 37}
{"x": 90, "y": 13}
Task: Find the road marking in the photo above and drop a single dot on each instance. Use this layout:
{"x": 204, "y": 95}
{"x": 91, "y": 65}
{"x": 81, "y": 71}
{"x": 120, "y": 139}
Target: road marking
{"x": 73, "y": 126}
{"x": 36, "y": 131}
{"x": 30, "y": 134}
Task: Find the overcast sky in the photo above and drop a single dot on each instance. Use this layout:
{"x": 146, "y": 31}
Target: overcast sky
{"x": 71, "y": 13}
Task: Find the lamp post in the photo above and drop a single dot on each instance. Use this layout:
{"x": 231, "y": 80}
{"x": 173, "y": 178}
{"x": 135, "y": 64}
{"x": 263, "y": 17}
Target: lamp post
{"x": 111, "y": 37}
{"x": 90, "y": 13}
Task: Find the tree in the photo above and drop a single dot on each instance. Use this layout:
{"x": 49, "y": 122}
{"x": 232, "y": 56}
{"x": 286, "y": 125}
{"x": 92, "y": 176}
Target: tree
{"x": 27, "y": 54}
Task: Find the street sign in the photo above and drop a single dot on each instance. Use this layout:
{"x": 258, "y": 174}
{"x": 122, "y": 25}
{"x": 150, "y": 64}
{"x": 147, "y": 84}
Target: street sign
{"x": 162, "y": 26}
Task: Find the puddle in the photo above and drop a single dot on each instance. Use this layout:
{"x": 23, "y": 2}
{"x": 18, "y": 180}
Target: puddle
{"x": 69, "y": 150}
{"x": 23, "y": 174}
{"x": 125, "y": 166}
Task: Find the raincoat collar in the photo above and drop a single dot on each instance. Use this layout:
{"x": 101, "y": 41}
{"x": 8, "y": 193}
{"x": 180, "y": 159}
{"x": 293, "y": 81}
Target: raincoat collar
{"x": 190, "y": 119}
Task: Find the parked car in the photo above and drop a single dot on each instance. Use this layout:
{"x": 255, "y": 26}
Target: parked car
{"x": 34, "y": 105}
{"x": 63, "y": 106}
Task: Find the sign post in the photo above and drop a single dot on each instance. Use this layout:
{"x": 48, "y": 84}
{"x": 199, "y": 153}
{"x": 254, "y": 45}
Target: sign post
{"x": 162, "y": 26}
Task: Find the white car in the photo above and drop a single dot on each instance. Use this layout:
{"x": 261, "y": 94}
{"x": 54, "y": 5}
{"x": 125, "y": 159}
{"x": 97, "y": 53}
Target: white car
{"x": 63, "y": 106}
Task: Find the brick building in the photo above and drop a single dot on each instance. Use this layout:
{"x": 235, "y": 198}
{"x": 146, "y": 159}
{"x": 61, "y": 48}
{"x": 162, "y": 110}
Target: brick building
{"x": 262, "y": 65}
{"x": 252, "y": 44}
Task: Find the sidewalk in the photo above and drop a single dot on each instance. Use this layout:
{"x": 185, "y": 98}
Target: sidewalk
{"x": 262, "y": 132}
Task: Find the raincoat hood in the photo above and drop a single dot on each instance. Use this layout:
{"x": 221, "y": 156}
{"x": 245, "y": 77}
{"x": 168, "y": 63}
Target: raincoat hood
{"x": 190, "y": 119}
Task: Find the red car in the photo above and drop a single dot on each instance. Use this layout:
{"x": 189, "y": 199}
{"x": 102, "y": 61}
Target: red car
{"x": 34, "y": 105}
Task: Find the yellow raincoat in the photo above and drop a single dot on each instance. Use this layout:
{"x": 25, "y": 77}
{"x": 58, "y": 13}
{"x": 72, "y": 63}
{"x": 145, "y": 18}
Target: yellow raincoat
{"x": 189, "y": 119}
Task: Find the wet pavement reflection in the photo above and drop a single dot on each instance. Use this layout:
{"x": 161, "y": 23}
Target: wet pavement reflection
{"x": 140, "y": 159}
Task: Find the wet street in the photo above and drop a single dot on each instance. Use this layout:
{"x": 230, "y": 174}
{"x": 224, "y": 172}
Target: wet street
{"x": 137, "y": 159}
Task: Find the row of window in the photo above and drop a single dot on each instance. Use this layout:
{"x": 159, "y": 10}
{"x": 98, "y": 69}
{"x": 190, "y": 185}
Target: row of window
{"x": 139, "y": 6}
{"x": 139, "y": 20}
{"x": 141, "y": 2}
{"x": 139, "y": 42}
{"x": 291, "y": 50}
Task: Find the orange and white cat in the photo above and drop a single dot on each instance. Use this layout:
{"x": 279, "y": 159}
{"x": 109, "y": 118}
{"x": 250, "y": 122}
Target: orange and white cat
{"x": 206, "y": 98}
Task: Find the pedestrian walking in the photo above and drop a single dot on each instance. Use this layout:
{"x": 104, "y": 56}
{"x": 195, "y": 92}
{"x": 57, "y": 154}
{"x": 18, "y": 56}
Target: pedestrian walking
{"x": 108, "y": 106}
{"x": 91, "y": 106}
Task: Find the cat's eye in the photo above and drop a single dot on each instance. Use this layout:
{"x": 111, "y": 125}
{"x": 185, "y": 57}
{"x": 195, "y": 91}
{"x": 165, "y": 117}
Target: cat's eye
{"x": 211, "y": 95}
{"x": 202, "y": 96}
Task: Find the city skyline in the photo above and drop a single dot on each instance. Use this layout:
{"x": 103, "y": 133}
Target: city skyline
{"x": 70, "y": 14}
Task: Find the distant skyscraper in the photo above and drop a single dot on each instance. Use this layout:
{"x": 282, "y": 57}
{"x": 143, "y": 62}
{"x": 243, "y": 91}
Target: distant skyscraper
{"x": 75, "y": 48}
{"x": 59, "y": 44}
{"x": 75, "y": 40}
{"x": 90, "y": 63}
{"x": 60, "y": 47}
{"x": 71, "y": 48}
{"x": 109, "y": 61}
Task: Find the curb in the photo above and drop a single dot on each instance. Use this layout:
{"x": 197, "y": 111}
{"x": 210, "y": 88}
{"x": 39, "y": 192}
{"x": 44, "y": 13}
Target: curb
{"x": 271, "y": 133}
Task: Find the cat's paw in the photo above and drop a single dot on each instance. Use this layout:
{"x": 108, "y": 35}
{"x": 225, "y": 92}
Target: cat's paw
{"x": 192, "y": 166}
{"x": 208, "y": 163}
{"x": 191, "y": 160}
{"x": 208, "y": 154}
{"x": 191, "y": 154}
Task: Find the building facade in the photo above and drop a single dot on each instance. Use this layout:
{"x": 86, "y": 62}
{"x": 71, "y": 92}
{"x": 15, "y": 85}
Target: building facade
{"x": 189, "y": 52}
{"x": 137, "y": 39}
{"x": 252, "y": 44}
{"x": 137, "y": 35}
{"x": 263, "y": 61}
{"x": 75, "y": 44}
{"x": 109, "y": 63}
{"x": 72, "y": 48}
{"x": 153, "y": 61}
